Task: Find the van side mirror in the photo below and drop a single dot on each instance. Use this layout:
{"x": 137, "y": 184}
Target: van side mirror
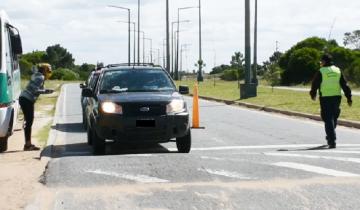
{"x": 184, "y": 90}
{"x": 16, "y": 44}
{"x": 87, "y": 92}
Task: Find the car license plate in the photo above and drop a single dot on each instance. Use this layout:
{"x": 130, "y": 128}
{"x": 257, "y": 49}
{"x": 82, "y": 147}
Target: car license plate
{"x": 145, "y": 123}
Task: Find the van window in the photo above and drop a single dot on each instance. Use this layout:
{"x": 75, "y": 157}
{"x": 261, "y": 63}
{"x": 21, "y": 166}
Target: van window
{"x": 8, "y": 56}
{"x": 0, "y": 45}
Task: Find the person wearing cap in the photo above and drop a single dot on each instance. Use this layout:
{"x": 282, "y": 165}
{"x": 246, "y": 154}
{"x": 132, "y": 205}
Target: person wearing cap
{"x": 28, "y": 97}
{"x": 330, "y": 81}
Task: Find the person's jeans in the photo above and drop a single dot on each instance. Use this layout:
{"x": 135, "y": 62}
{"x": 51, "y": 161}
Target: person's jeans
{"x": 330, "y": 112}
{"x": 27, "y": 107}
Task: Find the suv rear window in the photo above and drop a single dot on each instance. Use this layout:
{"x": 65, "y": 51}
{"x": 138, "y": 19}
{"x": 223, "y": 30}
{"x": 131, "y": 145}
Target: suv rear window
{"x": 129, "y": 80}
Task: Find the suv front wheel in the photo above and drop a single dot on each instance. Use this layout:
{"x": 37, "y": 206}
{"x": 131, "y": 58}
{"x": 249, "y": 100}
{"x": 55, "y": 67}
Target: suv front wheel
{"x": 98, "y": 144}
{"x": 183, "y": 144}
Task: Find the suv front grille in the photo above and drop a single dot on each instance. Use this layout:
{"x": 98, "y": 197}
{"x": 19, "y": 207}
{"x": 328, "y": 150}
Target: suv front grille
{"x": 143, "y": 109}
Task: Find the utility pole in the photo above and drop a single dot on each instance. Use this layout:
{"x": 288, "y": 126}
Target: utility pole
{"x": 167, "y": 38}
{"x": 254, "y": 74}
{"x": 248, "y": 89}
{"x": 200, "y": 62}
{"x": 138, "y": 31}
{"x": 129, "y": 30}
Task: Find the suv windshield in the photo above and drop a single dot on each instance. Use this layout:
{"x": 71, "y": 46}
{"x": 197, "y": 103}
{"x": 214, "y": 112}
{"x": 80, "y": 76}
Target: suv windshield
{"x": 129, "y": 80}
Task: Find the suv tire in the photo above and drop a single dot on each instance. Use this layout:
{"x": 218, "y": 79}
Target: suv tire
{"x": 89, "y": 136}
{"x": 3, "y": 144}
{"x": 98, "y": 144}
{"x": 183, "y": 144}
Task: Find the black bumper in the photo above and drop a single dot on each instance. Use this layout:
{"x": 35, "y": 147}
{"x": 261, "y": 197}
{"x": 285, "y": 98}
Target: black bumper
{"x": 156, "y": 129}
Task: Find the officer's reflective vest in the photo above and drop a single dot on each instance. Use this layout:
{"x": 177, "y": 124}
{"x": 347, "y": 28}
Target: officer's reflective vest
{"x": 330, "y": 85}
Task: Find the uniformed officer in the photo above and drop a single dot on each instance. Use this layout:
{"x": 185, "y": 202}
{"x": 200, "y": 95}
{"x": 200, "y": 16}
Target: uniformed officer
{"x": 28, "y": 98}
{"x": 329, "y": 81}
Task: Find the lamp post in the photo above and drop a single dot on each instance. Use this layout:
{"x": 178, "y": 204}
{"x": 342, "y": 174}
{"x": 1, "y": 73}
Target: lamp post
{"x": 143, "y": 33}
{"x": 176, "y": 76}
{"x": 200, "y": 62}
{"x": 151, "y": 58}
{"x": 183, "y": 49}
{"x": 129, "y": 22}
{"x": 254, "y": 76}
{"x": 139, "y": 32}
{"x": 134, "y": 47}
{"x": 248, "y": 89}
{"x": 167, "y": 38}
{"x": 172, "y": 44}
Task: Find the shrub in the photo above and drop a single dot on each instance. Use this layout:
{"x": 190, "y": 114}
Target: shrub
{"x": 64, "y": 74}
{"x": 230, "y": 75}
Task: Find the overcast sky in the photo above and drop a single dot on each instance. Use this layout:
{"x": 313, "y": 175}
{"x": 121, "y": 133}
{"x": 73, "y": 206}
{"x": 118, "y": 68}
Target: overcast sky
{"x": 90, "y": 31}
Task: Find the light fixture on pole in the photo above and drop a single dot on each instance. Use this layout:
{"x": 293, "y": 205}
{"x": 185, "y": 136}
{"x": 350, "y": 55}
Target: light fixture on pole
{"x": 134, "y": 47}
{"x": 172, "y": 44}
{"x": 176, "y": 76}
{"x": 129, "y": 16}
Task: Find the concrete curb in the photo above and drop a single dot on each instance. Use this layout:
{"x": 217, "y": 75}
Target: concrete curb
{"x": 47, "y": 153}
{"x": 346, "y": 123}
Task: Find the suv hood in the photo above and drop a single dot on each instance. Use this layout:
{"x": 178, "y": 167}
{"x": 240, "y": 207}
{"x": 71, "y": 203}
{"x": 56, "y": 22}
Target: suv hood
{"x": 135, "y": 97}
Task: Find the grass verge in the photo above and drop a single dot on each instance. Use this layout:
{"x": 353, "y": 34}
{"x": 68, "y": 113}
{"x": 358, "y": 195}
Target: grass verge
{"x": 288, "y": 100}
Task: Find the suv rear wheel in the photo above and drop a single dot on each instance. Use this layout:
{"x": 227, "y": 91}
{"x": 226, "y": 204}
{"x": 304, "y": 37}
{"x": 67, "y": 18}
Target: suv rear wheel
{"x": 183, "y": 144}
{"x": 98, "y": 144}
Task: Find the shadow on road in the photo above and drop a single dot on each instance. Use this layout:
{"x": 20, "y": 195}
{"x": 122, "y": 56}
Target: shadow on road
{"x": 322, "y": 147}
{"x": 83, "y": 149}
{"x": 69, "y": 127}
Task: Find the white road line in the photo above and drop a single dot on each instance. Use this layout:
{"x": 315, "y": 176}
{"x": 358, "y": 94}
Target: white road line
{"x": 263, "y": 147}
{"x": 336, "y": 151}
{"x": 225, "y": 173}
{"x": 212, "y": 158}
{"x": 137, "y": 178}
{"x": 315, "y": 169}
{"x": 354, "y": 160}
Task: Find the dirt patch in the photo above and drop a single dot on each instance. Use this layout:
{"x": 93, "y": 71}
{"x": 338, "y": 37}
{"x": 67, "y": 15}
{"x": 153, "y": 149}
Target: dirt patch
{"x": 21, "y": 171}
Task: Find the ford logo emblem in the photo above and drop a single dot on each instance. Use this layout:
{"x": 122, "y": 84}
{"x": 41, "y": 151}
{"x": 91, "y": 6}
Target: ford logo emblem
{"x": 144, "y": 109}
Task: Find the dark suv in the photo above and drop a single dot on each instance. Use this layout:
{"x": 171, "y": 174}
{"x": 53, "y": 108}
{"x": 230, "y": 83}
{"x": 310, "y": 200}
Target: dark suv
{"x": 137, "y": 104}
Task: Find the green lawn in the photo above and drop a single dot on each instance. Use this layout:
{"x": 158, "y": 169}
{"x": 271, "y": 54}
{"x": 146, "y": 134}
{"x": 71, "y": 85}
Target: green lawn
{"x": 280, "y": 99}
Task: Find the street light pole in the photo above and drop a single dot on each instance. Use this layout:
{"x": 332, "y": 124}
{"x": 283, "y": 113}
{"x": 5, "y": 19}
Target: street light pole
{"x": 248, "y": 89}
{"x": 172, "y": 45}
{"x": 200, "y": 62}
{"x": 129, "y": 26}
{"x": 176, "y": 76}
{"x": 138, "y": 31}
{"x": 134, "y": 47}
{"x": 151, "y": 57}
{"x": 167, "y": 38}
{"x": 254, "y": 78}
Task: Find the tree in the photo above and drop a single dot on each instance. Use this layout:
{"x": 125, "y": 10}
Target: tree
{"x": 219, "y": 69}
{"x": 28, "y": 60}
{"x": 273, "y": 75}
{"x": 303, "y": 64}
{"x": 353, "y": 73}
{"x": 352, "y": 39}
{"x": 59, "y": 57}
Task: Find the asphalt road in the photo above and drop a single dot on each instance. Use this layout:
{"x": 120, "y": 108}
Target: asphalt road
{"x": 243, "y": 159}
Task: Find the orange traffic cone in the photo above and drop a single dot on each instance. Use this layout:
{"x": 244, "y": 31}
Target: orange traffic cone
{"x": 196, "y": 114}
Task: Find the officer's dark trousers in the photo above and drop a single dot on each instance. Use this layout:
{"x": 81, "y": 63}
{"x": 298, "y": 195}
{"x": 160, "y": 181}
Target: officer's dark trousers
{"x": 330, "y": 111}
{"x": 27, "y": 107}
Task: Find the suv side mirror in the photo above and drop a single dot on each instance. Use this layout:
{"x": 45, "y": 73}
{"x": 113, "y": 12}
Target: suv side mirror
{"x": 82, "y": 86}
{"x": 87, "y": 92}
{"x": 184, "y": 90}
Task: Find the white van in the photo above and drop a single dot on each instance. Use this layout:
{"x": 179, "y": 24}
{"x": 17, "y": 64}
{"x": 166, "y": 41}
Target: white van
{"x": 10, "y": 49}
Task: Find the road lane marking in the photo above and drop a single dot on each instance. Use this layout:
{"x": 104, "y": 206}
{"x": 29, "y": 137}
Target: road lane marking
{"x": 315, "y": 169}
{"x": 347, "y": 159}
{"x": 136, "y": 178}
{"x": 263, "y": 147}
{"x": 336, "y": 151}
{"x": 224, "y": 173}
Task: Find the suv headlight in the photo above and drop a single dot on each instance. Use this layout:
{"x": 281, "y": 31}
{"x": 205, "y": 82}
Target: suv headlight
{"x": 111, "y": 108}
{"x": 175, "y": 106}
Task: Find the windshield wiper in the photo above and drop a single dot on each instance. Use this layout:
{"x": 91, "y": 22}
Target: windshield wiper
{"x": 114, "y": 91}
